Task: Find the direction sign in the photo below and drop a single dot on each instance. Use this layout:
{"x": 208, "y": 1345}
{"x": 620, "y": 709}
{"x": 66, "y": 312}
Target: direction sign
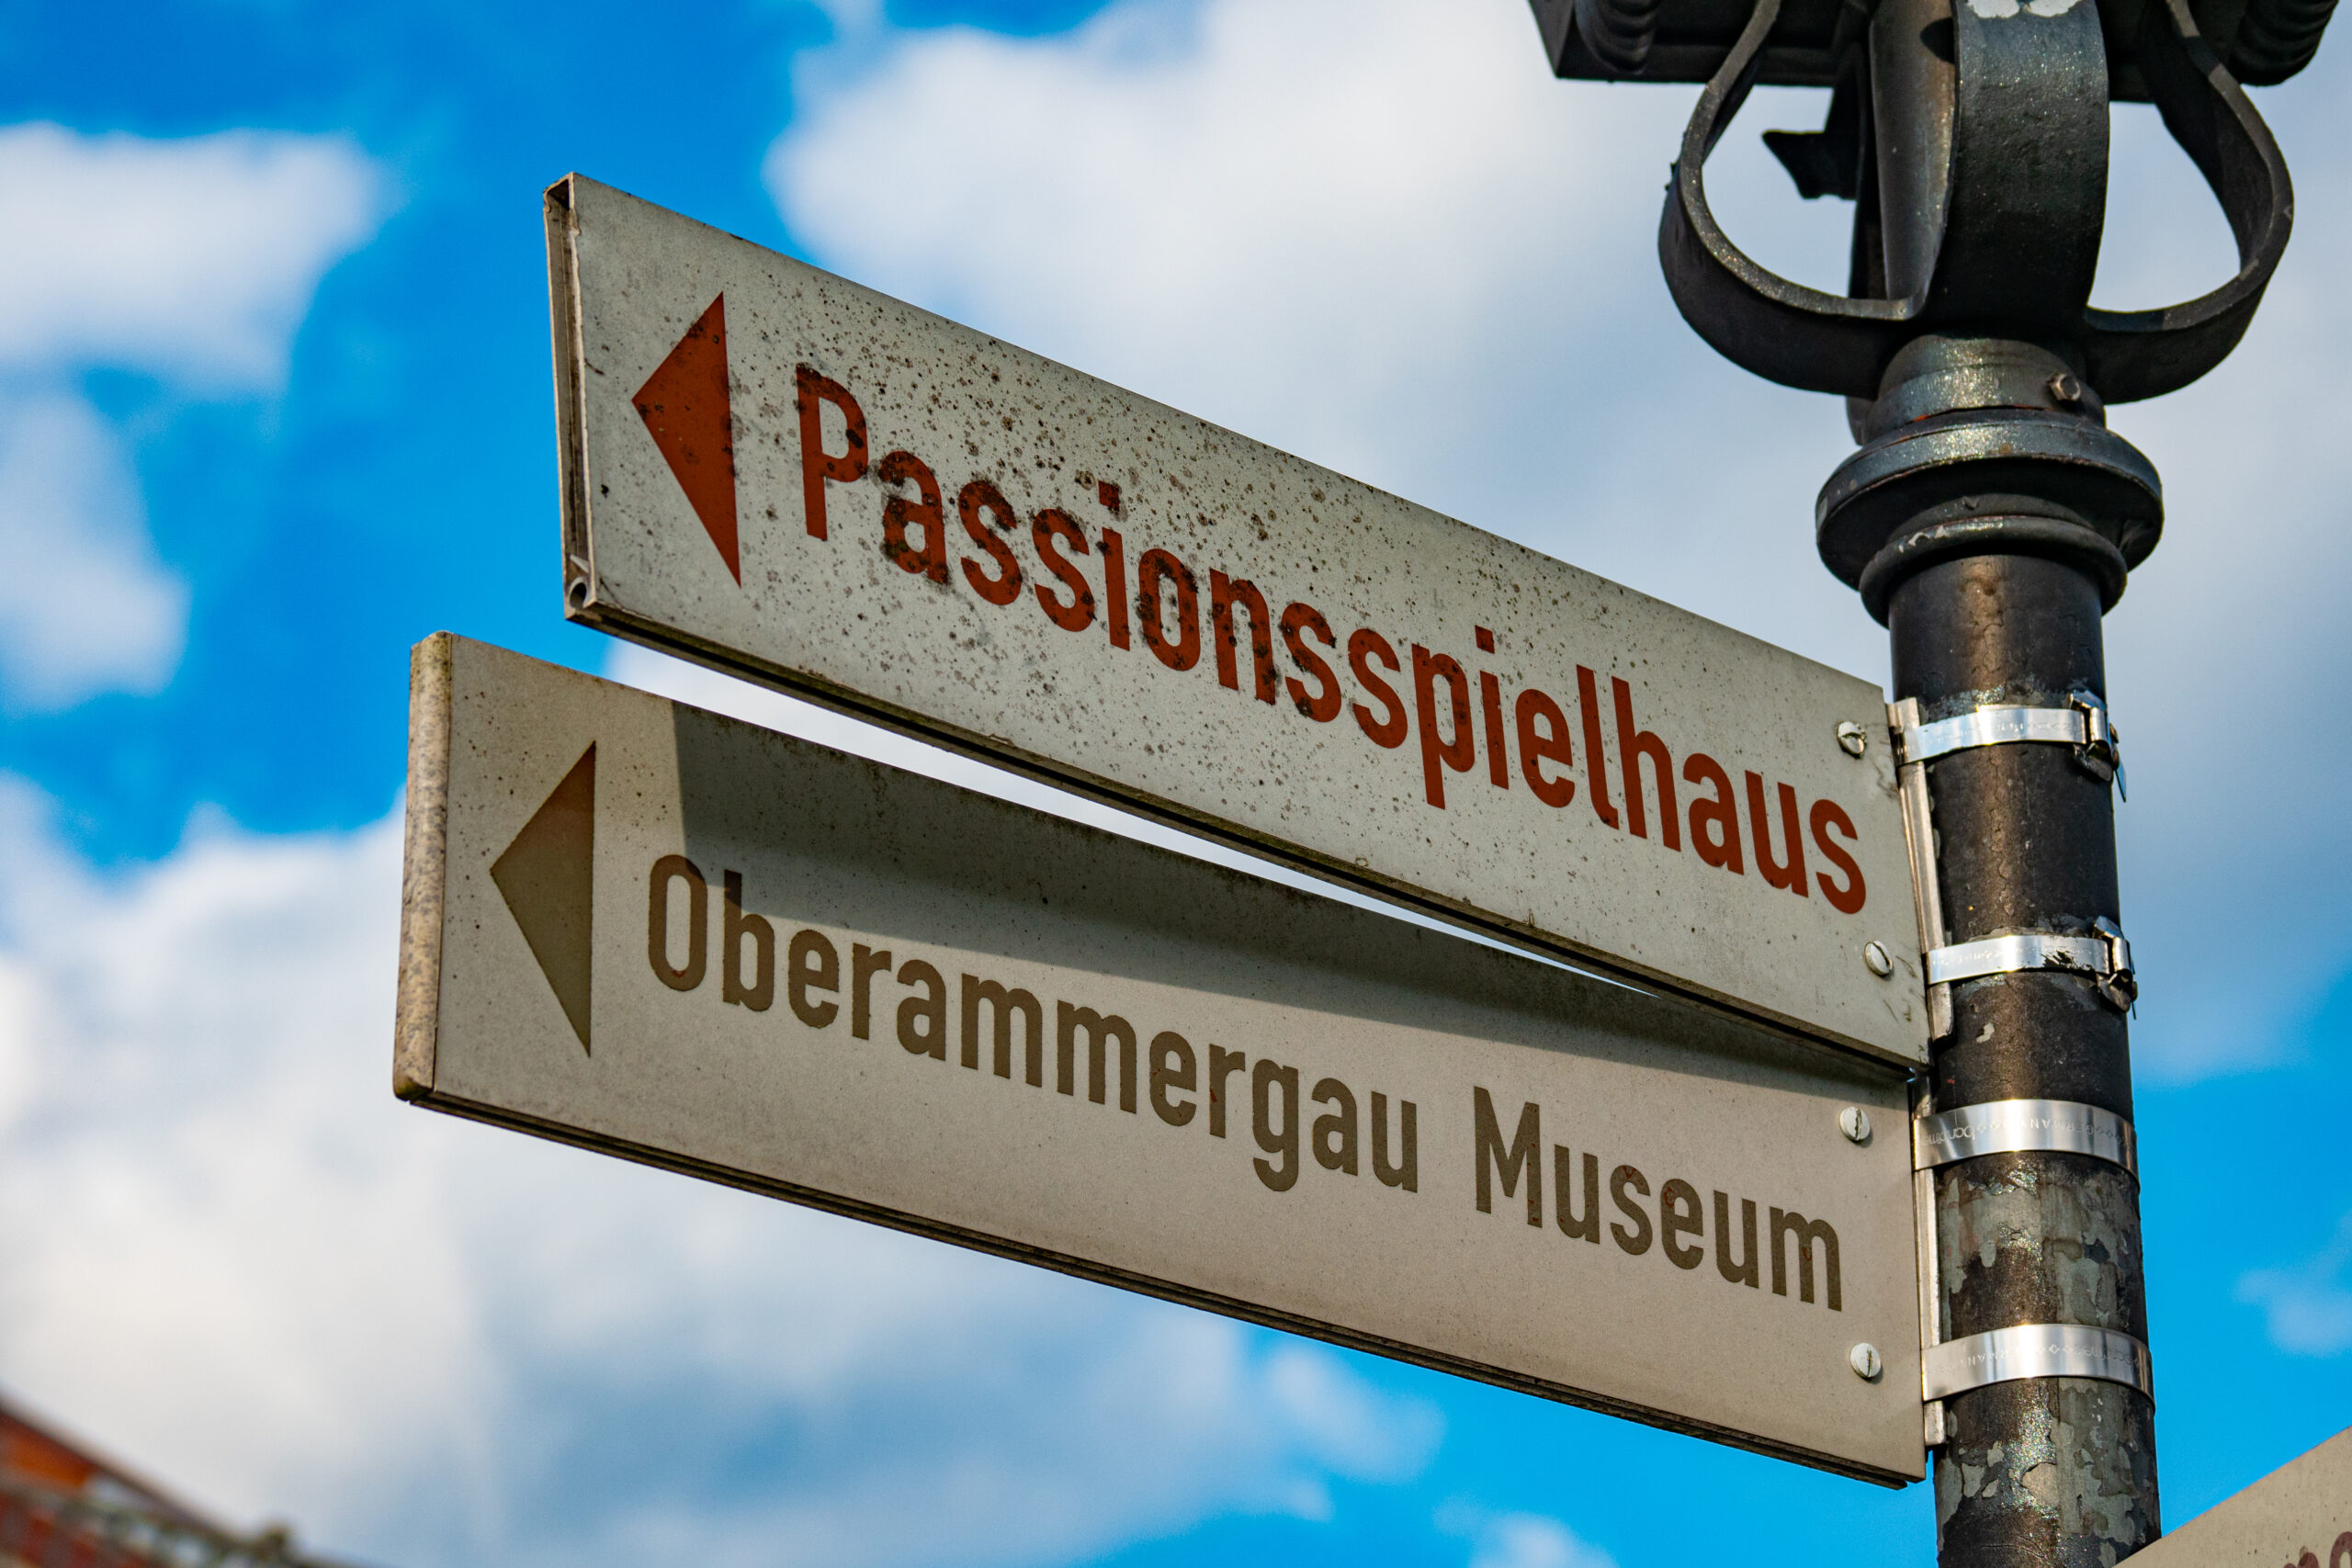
{"x": 2298, "y": 1516}
{"x": 804, "y": 481}
{"x": 671, "y": 936}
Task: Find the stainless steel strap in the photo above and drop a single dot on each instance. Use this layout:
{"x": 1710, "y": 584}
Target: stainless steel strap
{"x": 2035, "y": 1350}
{"x": 2102, "y": 956}
{"x": 2016, "y": 1126}
{"x": 2083, "y": 724}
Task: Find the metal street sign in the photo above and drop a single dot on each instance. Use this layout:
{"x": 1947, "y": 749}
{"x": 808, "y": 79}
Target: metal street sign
{"x": 2300, "y": 1517}
{"x": 676, "y": 938}
{"x": 812, "y": 484}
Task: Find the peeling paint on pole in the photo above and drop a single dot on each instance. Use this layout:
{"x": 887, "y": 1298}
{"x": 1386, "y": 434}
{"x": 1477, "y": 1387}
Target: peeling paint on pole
{"x": 800, "y": 480}
{"x": 755, "y": 960}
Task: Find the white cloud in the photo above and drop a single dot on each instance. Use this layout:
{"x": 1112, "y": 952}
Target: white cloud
{"x": 234, "y": 1256}
{"x": 192, "y": 261}
{"x": 1375, "y": 233}
{"x": 1517, "y": 1539}
{"x": 2308, "y": 1308}
{"x": 84, "y": 605}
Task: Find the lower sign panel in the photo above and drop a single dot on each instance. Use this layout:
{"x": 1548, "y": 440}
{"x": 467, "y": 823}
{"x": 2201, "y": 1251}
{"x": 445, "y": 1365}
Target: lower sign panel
{"x": 670, "y": 936}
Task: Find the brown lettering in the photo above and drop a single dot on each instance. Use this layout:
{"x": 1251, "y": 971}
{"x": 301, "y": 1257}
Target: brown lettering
{"x": 1173, "y": 1066}
{"x": 1100, "y": 1029}
{"x": 1335, "y": 1130}
{"x": 1222, "y": 1065}
{"x": 1806, "y": 1233}
{"x": 864, "y": 963}
{"x": 1006, "y": 1003}
{"x": 1577, "y": 1227}
{"x": 1744, "y": 1271}
{"x": 811, "y": 963}
{"x": 735, "y": 926}
{"x": 1490, "y": 699}
{"x": 1636, "y": 1241}
{"x": 1522, "y": 1159}
{"x": 1264, "y": 1079}
{"x": 667, "y": 869}
{"x": 1115, "y": 584}
{"x": 922, "y": 1021}
{"x": 1678, "y": 1214}
{"x": 1405, "y": 1172}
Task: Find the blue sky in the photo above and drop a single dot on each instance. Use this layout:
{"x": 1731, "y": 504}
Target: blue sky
{"x": 275, "y": 403}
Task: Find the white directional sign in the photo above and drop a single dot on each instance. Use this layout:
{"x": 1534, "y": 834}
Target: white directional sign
{"x": 779, "y": 472}
{"x": 2298, "y": 1516}
{"x": 671, "y": 936}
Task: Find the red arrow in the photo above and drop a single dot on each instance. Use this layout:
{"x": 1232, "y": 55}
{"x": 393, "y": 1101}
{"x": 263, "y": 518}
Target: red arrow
{"x": 684, "y": 403}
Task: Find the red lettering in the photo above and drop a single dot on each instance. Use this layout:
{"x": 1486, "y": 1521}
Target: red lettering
{"x": 1847, "y": 899}
{"x": 1715, "y": 819}
{"x": 1456, "y": 753}
{"x": 1548, "y": 743}
{"x": 1225, "y": 595}
{"x": 1759, "y": 829}
{"x": 1490, "y": 699}
{"x": 1078, "y": 613}
{"x": 927, "y": 510}
{"x": 817, "y": 465}
{"x": 1184, "y": 651}
{"x": 1115, "y": 574}
{"x": 1633, "y": 746}
{"x": 1596, "y": 779}
{"x": 1297, "y": 620}
{"x": 1363, "y": 646}
{"x": 1005, "y": 586}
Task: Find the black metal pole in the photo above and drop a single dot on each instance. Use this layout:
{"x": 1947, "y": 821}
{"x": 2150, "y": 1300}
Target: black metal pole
{"x": 2039, "y": 1471}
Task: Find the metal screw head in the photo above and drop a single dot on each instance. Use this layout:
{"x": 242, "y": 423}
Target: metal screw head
{"x": 2066, "y": 388}
{"x": 1876, "y": 958}
{"x": 1864, "y": 1359}
{"x": 1852, "y": 737}
{"x": 1855, "y": 1123}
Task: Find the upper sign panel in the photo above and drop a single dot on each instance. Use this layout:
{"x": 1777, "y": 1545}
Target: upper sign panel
{"x": 830, "y": 491}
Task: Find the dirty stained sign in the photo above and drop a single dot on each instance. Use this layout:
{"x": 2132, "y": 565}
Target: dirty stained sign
{"x": 670, "y": 936}
{"x": 796, "y": 479}
{"x": 2299, "y": 1516}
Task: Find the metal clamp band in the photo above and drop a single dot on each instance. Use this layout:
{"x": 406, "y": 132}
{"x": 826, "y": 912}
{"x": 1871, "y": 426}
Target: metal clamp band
{"x": 2018, "y": 1127}
{"x": 2035, "y": 1350}
{"x": 2104, "y": 957}
{"x": 2083, "y": 724}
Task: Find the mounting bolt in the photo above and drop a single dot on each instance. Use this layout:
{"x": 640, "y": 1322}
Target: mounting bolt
{"x": 1852, "y": 737}
{"x": 1864, "y": 1359}
{"x": 2067, "y": 387}
{"x": 1875, "y": 958}
{"x": 1855, "y": 1123}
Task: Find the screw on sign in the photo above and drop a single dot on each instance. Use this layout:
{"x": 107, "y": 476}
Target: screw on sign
{"x": 1989, "y": 520}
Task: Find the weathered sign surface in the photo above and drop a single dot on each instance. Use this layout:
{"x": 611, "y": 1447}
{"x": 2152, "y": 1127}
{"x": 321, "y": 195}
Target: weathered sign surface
{"x": 674, "y": 937}
{"x": 799, "y": 479}
{"x": 2297, "y": 1517}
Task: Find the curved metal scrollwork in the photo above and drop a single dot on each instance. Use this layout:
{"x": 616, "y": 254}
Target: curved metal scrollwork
{"x": 1988, "y": 255}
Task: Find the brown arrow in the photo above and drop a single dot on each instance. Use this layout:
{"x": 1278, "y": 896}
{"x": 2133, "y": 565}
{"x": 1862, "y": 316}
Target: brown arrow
{"x": 683, "y": 404}
{"x": 546, "y": 876}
